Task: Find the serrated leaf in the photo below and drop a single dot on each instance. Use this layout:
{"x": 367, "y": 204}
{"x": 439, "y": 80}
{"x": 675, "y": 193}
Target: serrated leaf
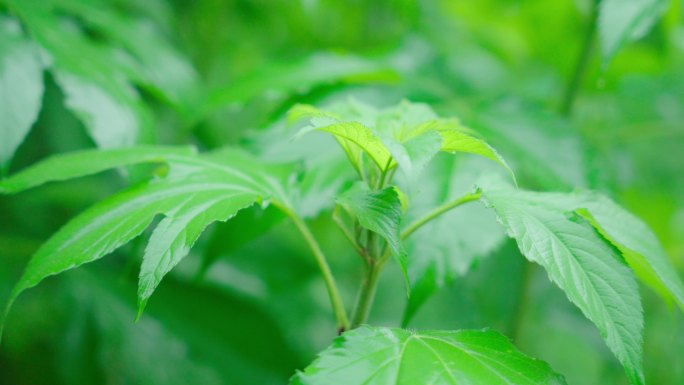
{"x": 21, "y": 87}
{"x": 637, "y": 243}
{"x": 622, "y": 21}
{"x": 582, "y": 264}
{"x": 371, "y": 355}
{"x": 196, "y": 191}
{"x": 86, "y": 162}
{"x": 173, "y": 238}
{"x": 413, "y": 155}
{"x": 457, "y": 138}
{"x": 384, "y": 134}
{"x": 353, "y": 137}
{"x": 380, "y": 212}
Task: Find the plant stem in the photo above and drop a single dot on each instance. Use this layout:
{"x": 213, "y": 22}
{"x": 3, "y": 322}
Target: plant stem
{"x": 523, "y": 301}
{"x": 366, "y": 294}
{"x": 437, "y": 212}
{"x": 333, "y": 292}
{"x": 347, "y": 234}
{"x": 577, "y": 78}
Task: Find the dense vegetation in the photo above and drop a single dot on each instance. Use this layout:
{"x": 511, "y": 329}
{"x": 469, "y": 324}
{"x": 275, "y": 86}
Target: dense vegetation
{"x": 341, "y": 192}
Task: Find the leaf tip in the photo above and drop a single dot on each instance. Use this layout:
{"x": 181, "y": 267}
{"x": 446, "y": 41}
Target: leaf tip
{"x": 142, "y": 303}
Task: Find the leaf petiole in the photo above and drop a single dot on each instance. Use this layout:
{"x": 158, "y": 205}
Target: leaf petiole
{"x": 334, "y": 294}
{"x": 437, "y": 212}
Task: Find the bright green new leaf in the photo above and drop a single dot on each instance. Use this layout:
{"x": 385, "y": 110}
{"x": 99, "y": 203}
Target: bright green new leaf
{"x": 577, "y": 259}
{"x": 457, "y": 138}
{"x": 396, "y": 135}
{"x": 622, "y": 21}
{"x": 379, "y": 212}
{"x": 371, "y": 355}
{"x": 21, "y": 87}
{"x": 353, "y": 137}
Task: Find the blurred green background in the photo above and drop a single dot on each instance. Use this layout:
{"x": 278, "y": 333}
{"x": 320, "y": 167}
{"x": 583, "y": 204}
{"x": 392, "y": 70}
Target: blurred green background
{"x": 248, "y": 306}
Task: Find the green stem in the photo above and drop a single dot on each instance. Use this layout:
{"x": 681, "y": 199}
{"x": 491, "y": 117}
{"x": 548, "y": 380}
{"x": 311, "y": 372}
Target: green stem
{"x": 347, "y": 234}
{"x": 366, "y": 294}
{"x": 577, "y": 78}
{"x": 523, "y": 301}
{"x": 333, "y": 292}
{"x": 437, "y": 212}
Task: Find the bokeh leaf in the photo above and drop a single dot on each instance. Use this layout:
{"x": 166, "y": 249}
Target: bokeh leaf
{"x": 21, "y": 87}
{"x": 622, "y": 21}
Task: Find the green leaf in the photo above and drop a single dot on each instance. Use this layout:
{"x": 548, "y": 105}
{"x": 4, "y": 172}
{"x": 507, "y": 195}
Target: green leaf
{"x": 86, "y": 162}
{"x": 173, "y": 238}
{"x": 379, "y": 212}
{"x": 385, "y": 134}
{"x": 21, "y": 87}
{"x": 457, "y": 138}
{"x": 447, "y": 247}
{"x": 413, "y": 155}
{"x": 578, "y": 260}
{"x": 155, "y": 63}
{"x": 291, "y": 77}
{"x": 353, "y": 137}
{"x": 196, "y": 191}
{"x": 543, "y": 148}
{"x": 386, "y": 356}
{"x": 622, "y": 21}
{"x": 637, "y": 243}
{"x": 92, "y": 76}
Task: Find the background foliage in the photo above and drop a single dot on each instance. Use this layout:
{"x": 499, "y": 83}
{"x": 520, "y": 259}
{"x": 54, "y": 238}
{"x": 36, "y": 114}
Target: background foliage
{"x": 248, "y": 306}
